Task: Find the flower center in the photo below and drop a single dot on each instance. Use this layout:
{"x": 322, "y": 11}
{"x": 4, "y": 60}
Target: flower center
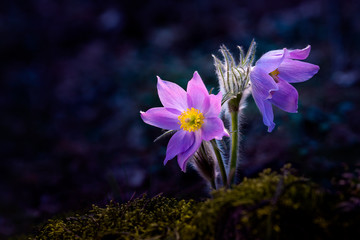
{"x": 274, "y": 74}
{"x": 191, "y": 120}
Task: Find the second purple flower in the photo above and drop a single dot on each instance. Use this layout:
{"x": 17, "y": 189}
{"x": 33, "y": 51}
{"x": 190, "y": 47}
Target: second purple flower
{"x": 271, "y": 78}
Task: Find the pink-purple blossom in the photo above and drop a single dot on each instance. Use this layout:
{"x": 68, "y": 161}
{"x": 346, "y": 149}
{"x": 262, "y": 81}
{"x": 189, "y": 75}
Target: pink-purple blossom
{"x": 271, "y": 78}
{"x": 194, "y": 114}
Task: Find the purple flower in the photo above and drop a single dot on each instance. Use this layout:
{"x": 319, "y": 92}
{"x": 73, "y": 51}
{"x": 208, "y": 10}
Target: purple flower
{"x": 194, "y": 114}
{"x": 270, "y": 80}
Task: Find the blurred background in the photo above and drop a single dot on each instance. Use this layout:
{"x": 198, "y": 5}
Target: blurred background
{"x": 76, "y": 73}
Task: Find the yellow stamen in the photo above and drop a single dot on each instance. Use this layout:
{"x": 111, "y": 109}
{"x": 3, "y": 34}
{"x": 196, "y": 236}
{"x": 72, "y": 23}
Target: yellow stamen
{"x": 274, "y": 74}
{"x": 191, "y": 120}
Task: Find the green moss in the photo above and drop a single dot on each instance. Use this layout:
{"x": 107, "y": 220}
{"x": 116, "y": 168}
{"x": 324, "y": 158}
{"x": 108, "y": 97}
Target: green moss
{"x": 156, "y": 218}
{"x": 271, "y": 206}
{"x": 259, "y": 208}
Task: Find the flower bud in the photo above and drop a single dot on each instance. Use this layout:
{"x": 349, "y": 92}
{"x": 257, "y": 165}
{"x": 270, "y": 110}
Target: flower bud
{"x": 204, "y": 161}
{"x": 234, "y": 77}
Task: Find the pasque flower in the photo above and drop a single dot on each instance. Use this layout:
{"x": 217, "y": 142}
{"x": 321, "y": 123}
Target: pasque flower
{"x": 194, "y": 114}
{"x": 271, "y": 78}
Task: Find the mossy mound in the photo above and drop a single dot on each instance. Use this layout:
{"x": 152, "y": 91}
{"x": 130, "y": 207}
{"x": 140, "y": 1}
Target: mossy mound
{"x": 142, "y": 218}
{"x": 271, "y": 206}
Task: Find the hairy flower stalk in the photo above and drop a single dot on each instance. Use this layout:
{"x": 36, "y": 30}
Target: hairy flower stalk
{"x": 220, "y": 163}
{"x": 234, "y": 80}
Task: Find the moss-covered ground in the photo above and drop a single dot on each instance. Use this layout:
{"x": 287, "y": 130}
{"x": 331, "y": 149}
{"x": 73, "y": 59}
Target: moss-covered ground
{"x": 271, "y": 206}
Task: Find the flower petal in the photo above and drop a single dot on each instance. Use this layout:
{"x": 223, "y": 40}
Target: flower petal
{"x": 286, "y": 97}
{"x": 198, "y": 95}
{"x": 171, "y": 95}
{"x": 184, "y": 157}
{"x": 294, "y": 71}
{"x": 196, "y": 81}
{"x": 262, "y": 83}
{"x": 299, "y": 54}
{"x": 179, "y": 142}
{"x": 215, "y": 105}
{"x": 162, "y": 118}
{"x": 270, "y": 61}
{"x": 266, "y": 111}
{"x": 213, "y": 128}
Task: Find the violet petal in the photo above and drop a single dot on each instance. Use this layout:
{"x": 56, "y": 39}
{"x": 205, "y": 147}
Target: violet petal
{"x": 198, "y": 93}
{"x": 171, "y": 95}
{"x": 262, "y": 83}
{"x": 299, "y": 54}
{"x": 161, "y": 118}
{"x": 286, "y": 98}
{"x": 183, "y": 157}
{"x": 265, "y": 108}
{"x": 270, "y": 61}
{"x": 215, "y": 105}
{"x": 179, "y": 142}
{"x": 213, "y": 128}
{"x": 294, "y": 71}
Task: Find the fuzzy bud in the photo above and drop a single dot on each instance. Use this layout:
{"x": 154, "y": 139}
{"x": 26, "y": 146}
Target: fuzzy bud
{"x": 234, "y": 77}
{"x": 204, "y": 161}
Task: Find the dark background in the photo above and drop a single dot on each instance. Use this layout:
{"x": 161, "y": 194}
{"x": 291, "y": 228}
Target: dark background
{"x": 75, "y": 74}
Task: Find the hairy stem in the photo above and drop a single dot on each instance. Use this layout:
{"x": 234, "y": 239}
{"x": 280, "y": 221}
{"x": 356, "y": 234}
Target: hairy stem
{"x": 220, "y": 162}
{"x": 234, "y": 105}
{"x": 234, "y": 146}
